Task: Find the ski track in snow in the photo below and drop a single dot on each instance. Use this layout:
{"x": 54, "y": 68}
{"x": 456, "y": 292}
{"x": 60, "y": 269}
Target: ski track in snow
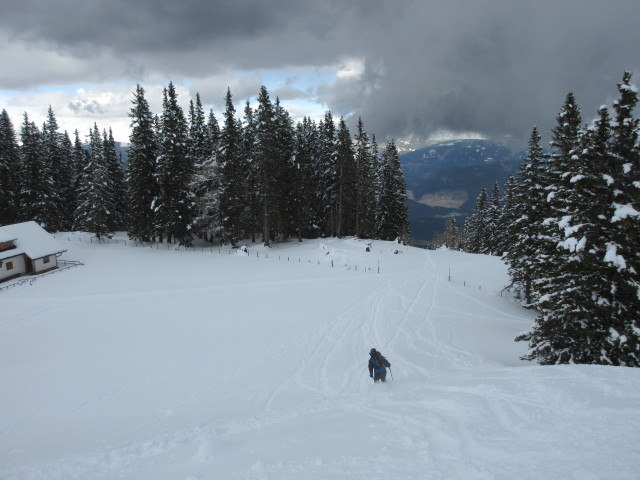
{"x": 304, "y": 407}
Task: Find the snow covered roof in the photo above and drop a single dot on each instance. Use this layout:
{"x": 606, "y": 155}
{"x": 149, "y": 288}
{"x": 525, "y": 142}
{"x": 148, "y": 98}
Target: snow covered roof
{"x": 30, "y": 239}
{"x": 6, "y": 237}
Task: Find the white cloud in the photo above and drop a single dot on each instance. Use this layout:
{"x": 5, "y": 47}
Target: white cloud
{"x": 79, "y": 108}
{"x": 213, "y": 88}
{"x": 441, "y": 135}
{"x": 349, "y": 68}
{"x": 108, "y": 105}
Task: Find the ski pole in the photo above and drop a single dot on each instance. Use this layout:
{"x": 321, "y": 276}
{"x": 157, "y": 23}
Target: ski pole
{"x": 391, "y": 374}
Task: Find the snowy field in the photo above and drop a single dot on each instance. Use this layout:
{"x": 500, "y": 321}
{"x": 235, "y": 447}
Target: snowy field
{"x": 152, "y": 364}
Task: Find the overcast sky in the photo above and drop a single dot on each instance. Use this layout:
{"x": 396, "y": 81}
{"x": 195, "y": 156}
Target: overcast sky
{"x": 410, "y": 68}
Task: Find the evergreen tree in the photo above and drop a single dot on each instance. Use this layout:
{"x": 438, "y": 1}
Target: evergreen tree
{"x": 199, "y": 143}
{"x": 451, "y": 238}
{"x": 392, "y": 220}
{"x": 328, "y": 175}
{"x": 346, "y": 182}
{"x": 176, "y": 205}
{"x": 10, "y": 168}
{"x": 305, "y": 192}
{"x": 379, "y": 185}
{"x": 212, "y": 134}
{"x": 144, "y": 190}
{"x": 574, "y": 318}
{"x": 476, "y": 230}
{"x": 200, "y": 153}
{"x": 622, "y": 247}
{"x": 254, "y": 178}
{"x": 560, "y": 167}
{"x": 493, "y": 222}
{"x": 36, "y": 185}
{"x": 565, "y": 145}
{"x": 233, "y": 174}
{"x": 80, "y": 160}
{"x": 56, "y": 164}
{"x": 284, "y": 178}
{"x": 115, "y": 192}
{"x": 529, "y": 199}
{"x": 206, "y": 181}
{"x": 366, "y": 165}
{"x": 94, "y": 197}
{"x": 507, "y": 216}
{"x": 267, "y": 157}
{"x": 566, "y": 136}
{"x": 67, "y": 182}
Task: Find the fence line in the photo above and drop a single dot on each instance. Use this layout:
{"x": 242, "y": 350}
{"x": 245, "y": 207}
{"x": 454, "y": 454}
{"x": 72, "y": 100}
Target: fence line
{"x": 466, "y": 284}
{"x": 211, "y": 250}
{"x": 66, "y": 264}
{"x": 32, "y": 278}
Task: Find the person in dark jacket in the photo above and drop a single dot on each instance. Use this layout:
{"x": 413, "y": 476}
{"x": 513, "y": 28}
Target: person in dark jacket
{"x": 378, "y": 366}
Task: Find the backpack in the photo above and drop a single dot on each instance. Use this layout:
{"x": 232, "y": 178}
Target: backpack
{"x": 380, "y": 360}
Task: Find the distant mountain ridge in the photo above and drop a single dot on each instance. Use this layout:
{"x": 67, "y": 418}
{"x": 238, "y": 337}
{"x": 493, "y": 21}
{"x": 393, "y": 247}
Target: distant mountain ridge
{"x": 444, "y": 180}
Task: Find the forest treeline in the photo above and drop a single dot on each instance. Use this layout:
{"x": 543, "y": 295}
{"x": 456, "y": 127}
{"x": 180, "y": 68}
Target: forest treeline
{"x": 253, "y": 176}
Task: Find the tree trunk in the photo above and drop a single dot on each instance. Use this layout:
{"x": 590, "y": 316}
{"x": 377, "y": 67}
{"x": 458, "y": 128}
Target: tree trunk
{"x": 267, "y": 234}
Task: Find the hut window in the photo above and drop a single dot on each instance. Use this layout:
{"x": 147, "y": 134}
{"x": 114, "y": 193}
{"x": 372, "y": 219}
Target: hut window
{"x": 9, "y": 265}
{"x": 45, "y": 260}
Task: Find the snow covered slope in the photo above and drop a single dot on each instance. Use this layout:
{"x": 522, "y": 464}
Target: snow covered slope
{"x": 161, "y": 364}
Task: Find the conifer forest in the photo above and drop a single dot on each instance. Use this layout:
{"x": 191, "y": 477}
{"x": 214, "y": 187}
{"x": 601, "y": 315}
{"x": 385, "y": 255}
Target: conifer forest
{"x": 253, "y": 175}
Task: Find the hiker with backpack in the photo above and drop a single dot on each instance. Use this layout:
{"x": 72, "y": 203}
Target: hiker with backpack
{"x": 378, "y": 366}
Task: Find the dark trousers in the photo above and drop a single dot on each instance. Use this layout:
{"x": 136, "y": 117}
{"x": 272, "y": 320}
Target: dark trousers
{"x": 380, "y": 377}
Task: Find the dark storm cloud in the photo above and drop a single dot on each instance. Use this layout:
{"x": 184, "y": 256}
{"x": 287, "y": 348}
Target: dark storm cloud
{"x": 161, "y": 27}
{"x": 496, "y": 66}
{"x": 138, "y": 26}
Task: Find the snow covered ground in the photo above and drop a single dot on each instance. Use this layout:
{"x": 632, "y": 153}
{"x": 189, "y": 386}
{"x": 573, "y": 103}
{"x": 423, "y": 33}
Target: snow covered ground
{"x": 153, "y": 364}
